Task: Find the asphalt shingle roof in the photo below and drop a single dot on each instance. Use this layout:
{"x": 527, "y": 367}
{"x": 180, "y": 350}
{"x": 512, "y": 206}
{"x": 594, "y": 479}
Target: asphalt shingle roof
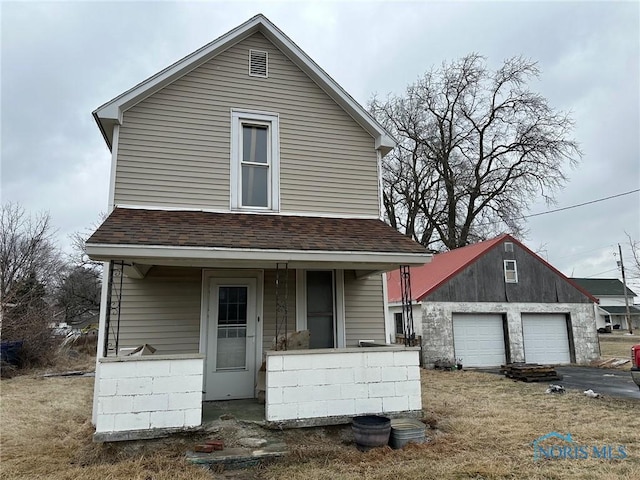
{"x": 126, "y": 226}
{"x": 603, "y": 286}
{"x": 618, "y": 310}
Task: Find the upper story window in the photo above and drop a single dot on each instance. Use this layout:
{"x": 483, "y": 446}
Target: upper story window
{"x": 255, "y": 161}
{"x": 510, "y": 271}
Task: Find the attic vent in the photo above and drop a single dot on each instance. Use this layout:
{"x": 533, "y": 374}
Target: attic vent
{"x": 508, "y": 247}
{"x": 258, "y": 63}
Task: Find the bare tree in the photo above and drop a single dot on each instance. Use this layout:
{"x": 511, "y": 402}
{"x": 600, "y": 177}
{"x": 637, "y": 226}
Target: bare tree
{"x": 79, "y": 294}
{"x": 79, "y": 256}
{"x": 634, "y": 246}
{"x": 476, "y": 147}
{"x": 27, "y": 252}
{"x": 79, "y": 290}
{"x": 29, "y": 269}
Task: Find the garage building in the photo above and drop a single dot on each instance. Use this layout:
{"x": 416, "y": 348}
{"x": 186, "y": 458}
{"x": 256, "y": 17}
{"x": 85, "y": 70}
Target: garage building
{"x": 497, "y": 302}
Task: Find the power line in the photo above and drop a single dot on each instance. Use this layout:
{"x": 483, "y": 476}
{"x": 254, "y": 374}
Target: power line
{"x": 606, "y": 271}
{"x": 582, "y": 252}
{"x": 582, "y": 204}
{"x": 496, "y": 222}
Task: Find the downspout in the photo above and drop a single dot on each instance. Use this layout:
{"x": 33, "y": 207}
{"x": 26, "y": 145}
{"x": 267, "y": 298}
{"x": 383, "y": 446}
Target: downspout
{"x": 380, "y": 202}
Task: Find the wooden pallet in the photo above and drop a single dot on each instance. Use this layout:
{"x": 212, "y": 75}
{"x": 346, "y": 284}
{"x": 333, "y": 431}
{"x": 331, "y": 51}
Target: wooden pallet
{"x": 530, "y": 372}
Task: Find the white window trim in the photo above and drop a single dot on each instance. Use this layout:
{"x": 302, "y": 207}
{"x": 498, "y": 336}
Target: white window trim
{"x": 339, "y": 314}
{"x": 238, "y": 117}
{"x": 515, "y": 272}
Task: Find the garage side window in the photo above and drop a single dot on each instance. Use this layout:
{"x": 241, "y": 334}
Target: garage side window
{"x": 399, "y": 324}
{"x": 510, "y": 271}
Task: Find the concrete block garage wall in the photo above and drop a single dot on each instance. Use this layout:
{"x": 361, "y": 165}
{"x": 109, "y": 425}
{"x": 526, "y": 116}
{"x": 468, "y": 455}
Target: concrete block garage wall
{"x": 308, "y": 387}
{"x": 148, "y": 392}
{"x": 437, "y": 327}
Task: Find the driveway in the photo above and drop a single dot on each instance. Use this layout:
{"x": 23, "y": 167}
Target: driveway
{"x": 609, "y": 382}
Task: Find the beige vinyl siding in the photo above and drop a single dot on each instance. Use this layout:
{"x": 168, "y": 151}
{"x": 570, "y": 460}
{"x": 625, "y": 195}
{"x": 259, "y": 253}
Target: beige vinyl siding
{"x": 174, "y": 147}
{"x": 364, "y": 308}
{"x": 162, "y": 309}
{"x": 269, "y": 307}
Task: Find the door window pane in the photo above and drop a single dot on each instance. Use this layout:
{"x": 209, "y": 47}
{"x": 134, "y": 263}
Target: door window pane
{"x": 320, "y": 306}
{"x": 231, "y": 350}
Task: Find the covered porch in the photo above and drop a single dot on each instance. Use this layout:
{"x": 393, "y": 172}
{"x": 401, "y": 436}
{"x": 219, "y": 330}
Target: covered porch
{"x": 216, "y": 319}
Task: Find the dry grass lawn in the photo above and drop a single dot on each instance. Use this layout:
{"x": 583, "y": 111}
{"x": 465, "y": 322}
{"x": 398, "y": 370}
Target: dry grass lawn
{"x": 484, "y": 426}
{"x": 618, "y": 345}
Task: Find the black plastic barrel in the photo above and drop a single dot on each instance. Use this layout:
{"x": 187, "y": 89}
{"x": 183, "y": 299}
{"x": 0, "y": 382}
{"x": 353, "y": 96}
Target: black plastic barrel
{"x": 371, "y": 431}
{"x": 10, "y": 352}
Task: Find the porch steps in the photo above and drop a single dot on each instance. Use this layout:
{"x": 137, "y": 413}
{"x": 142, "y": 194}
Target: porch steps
{"x": 238, "y": 457}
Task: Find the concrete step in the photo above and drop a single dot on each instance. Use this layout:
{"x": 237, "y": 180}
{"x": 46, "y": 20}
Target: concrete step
{"x": 238, "y": 457}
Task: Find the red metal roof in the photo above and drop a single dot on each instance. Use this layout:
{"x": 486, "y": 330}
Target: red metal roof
{"x": 444, "y": 266}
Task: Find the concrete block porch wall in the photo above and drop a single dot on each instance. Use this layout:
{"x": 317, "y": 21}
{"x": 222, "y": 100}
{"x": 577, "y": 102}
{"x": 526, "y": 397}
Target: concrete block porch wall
{"x": 437, "y": 327}
{"x": 329, "y": 386}
{"x": 151, "y": 394}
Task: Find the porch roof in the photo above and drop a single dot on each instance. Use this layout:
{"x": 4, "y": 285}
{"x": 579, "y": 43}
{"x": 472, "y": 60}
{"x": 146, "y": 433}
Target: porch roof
{"x": 129, "y": 233}
{"x": 620, "y": 310}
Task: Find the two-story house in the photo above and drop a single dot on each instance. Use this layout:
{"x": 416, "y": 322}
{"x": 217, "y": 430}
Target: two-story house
{"x": 245, "y": 205}
{"x": 611, "y": 310}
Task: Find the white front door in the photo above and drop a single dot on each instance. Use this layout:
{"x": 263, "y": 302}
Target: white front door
{"x": 231, "y": 339}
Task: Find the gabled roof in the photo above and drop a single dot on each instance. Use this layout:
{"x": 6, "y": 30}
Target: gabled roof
{"x": 603, "y": 287}
{"x": 240, "y": 234}
{"x": 444, "y": 266}
{"x": 111, "y": 112}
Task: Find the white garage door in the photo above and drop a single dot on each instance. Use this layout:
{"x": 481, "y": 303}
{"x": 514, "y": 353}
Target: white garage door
{"x": 478, "y": 339}
{"x": 545, "y": 338}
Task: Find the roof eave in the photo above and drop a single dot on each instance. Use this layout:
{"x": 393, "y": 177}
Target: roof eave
{"x": 106, "y": 252}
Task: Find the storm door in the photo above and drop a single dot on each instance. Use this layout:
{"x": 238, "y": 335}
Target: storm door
{"x": 231, "y": 336}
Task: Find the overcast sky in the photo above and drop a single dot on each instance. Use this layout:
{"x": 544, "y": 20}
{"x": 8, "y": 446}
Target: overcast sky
{"x": 62, "y": 60}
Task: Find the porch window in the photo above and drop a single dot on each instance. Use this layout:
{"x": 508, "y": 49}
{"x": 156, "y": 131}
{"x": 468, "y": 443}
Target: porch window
{"x": 320, "y": 308}
{"x": 510, "y": 271}
{"x": 255, "y": 162}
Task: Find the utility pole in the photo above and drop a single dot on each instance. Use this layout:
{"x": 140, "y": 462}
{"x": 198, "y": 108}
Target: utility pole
{"x": 624, "y": 286}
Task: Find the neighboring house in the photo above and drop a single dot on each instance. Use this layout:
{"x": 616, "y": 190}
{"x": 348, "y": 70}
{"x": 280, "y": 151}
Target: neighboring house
{"x": 611, "y": 309}
{"x": 245, "y": 205}
{"x": 497, "y": 302}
